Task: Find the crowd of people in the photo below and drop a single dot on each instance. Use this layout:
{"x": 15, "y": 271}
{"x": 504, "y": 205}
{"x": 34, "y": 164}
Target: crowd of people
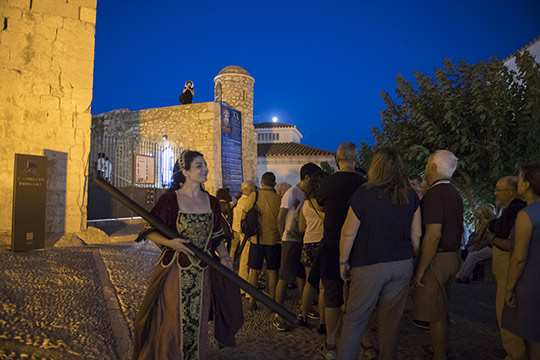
{"x": 362, "y": 243}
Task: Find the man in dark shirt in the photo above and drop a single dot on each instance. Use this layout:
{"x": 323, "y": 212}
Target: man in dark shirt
{"x": 334, "y": 194}
{"x": 506, "y": 196}
{"x": 442, "y": 218}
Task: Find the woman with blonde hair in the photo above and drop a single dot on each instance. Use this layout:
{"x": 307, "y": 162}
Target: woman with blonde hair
{"x": 379, "y": 239}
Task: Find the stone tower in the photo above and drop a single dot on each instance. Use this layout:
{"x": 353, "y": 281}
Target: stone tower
{"x": 234, "y": 86}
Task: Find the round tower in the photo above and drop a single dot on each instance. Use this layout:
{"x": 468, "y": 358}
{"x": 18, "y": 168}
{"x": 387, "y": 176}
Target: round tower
{"x": 234, "y": 86}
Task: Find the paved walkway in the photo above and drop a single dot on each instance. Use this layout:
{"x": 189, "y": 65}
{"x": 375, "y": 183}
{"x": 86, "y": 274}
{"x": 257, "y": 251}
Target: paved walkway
{"x": 80, "y": 303}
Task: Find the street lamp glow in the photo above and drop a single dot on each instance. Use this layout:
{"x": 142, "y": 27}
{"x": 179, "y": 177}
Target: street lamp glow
{"x": 274, "y": 119}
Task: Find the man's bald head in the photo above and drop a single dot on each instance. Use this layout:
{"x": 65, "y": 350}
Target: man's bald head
{"x": 506, "y": 190}
{"x": 511, "y": 182}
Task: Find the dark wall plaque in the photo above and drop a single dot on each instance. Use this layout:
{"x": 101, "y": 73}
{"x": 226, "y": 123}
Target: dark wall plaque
{"x": 29, "y": 195}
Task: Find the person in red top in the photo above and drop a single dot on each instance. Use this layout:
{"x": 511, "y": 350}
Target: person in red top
{"x": 172, "y": 322}
{"x": 442, "y": 219}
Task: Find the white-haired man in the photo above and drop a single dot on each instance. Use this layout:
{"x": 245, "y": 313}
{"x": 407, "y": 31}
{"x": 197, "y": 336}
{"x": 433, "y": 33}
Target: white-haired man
{"x": 442, "y": 219}
{"x": 239, "y": 213}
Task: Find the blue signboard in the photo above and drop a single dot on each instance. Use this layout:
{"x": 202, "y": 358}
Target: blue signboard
{"x": 231, "y": 148}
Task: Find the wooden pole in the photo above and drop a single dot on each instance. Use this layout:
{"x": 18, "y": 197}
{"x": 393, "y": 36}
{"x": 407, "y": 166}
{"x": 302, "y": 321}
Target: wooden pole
{"x": 200, "y": 254}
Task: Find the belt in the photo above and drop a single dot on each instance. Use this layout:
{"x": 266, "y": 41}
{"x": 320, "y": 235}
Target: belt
{"x": 446, "y": 250}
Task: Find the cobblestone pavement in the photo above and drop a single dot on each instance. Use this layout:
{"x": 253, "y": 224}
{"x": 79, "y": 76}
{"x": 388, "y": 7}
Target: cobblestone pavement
{"x": 52, "y": 306}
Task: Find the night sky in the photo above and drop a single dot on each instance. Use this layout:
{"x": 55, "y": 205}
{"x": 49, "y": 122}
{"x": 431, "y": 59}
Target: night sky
{"x": 319, "y": 65}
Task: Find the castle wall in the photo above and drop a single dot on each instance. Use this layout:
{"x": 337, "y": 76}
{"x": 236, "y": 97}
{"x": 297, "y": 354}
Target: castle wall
{"x": 237, "y": 90}
{"x": 46, "y": 79}
{"x": 192, "y": 126}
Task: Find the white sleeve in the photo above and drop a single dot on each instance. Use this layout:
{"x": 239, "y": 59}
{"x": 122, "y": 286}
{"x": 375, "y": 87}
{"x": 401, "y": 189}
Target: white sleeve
{"x": 287, "y": 199}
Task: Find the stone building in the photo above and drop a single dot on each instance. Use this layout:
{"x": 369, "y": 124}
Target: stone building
{"x": 197, "y": 127}
{"x": 279, "y": 151}
{"x": 46, "y": 79}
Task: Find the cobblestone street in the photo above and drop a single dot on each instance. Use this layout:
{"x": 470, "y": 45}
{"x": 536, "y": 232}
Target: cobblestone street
{"x": 55, "y": 305}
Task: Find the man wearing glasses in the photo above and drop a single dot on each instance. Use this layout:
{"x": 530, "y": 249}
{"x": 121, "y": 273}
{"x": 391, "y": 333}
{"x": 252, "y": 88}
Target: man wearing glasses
{"x": 506, "y": 196}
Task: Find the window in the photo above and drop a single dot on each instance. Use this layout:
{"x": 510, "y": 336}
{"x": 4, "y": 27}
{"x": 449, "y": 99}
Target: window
{"x": 277, "y": 136}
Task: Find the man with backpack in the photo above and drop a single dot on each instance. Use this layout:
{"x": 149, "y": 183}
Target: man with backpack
{"x": 239, "y": 212}
{"x": 265, "y": 244}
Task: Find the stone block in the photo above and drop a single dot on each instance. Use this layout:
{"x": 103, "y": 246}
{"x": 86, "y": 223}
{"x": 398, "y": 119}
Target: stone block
{"x": 65, "y": 136}
{"x": 5, "y": 54}
{"x": 12, "y": 13}
{"x": 86, "y": 3}
{"x": 83, "y": 122}
{"x": 74, "y": 25}
{"x": 55, "y": 7}
{"x": 76, "y": 153}
{"x": 49, "y": 102}
{"x": 21, "y": 4}
{"x": 82, "y": 94}
{"x": 54, "y": 20}
{"x": 73, "y": 39}
{"x": 93, "y": 235}
{"x": 87, "y": 15}
{"x": 46, "y": 31}
{"x": 41, "y": 89}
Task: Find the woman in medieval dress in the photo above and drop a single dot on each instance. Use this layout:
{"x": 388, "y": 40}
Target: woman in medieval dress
{"x": 172, "y": 322}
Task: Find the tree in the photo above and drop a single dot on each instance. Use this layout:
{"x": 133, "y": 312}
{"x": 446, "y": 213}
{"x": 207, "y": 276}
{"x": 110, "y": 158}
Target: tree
{"x": 486, "y": 114}
{"x": 327, "y": 168}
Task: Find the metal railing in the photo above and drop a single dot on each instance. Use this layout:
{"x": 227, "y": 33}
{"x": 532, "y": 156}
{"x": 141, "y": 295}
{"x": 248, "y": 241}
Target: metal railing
{"x": 112, "y": 158}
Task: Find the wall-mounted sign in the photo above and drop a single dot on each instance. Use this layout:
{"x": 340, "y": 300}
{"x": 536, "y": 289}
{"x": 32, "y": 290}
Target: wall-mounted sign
{"x": 144, "y": 169}
{"x": 231, "y": 148}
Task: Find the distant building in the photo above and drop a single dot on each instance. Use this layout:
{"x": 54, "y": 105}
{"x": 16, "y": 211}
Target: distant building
{"x": 279, "y": 151}
{"x": 533, "y": 48}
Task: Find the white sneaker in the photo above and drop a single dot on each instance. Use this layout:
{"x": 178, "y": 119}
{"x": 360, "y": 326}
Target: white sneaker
{"x": 328, "y": 354}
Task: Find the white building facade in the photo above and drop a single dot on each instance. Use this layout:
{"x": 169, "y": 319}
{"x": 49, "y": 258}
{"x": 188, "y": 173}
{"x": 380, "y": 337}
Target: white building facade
{"x": 279, "y": 150}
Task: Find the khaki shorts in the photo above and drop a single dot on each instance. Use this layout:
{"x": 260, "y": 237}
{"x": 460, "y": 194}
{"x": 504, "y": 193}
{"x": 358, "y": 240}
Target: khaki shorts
{"x": 431, "y": 301}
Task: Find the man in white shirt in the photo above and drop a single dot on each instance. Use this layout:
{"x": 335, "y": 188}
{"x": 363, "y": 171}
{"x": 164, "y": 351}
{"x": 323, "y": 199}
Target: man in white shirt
{"x": 291, "y": 239}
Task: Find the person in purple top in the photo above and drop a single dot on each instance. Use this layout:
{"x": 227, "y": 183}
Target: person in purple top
{"x": 521, "y": 314}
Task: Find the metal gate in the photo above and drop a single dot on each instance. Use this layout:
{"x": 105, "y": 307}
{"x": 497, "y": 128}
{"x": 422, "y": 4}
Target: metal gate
{"x": 113, "y": 159}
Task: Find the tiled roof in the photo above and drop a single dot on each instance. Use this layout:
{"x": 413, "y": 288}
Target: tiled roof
{"x": 290, "y": 148}
{"x": 264, "y": 125}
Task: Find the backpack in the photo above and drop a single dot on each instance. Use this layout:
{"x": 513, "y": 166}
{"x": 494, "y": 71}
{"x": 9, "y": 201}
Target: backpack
{"x": 250, "y": 223}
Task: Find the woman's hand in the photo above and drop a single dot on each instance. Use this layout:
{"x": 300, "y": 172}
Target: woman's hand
{"x": 178, "y": 245}
{"x": 417, "y": 280}
{"x": 510, "y": 298}
{"x": 345, "y": 272}
{"x": 226, "y": 261}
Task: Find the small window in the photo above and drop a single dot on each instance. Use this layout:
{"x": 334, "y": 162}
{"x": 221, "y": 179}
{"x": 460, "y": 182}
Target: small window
{"x": 277, "y": 136}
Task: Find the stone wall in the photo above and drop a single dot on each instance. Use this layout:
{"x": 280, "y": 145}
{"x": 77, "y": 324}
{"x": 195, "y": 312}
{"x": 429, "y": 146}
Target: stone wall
{"x": 193, "y": 126}
{"x": 46, "y": 76}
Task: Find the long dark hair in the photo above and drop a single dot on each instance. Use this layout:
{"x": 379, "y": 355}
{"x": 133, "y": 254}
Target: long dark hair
{"x": 531, "y": 173}
{"x": 388, "y": 174}
{"x": 178, "y": 178}
{"x": 314, "y": 184}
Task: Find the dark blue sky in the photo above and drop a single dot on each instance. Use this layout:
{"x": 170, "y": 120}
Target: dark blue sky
{"x": 319, "y": 65}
